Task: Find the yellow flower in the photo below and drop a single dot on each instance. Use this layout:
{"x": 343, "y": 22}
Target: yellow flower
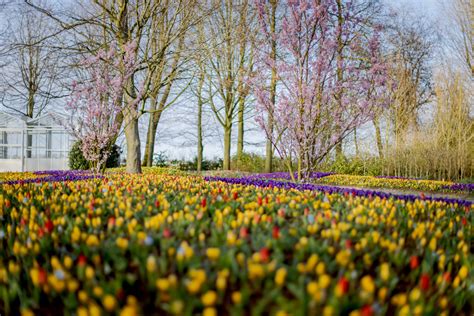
{"x": 177, "y": 307}
{"x": 193, "y": 286}
{"x": 443, "y": 302}
{"x": 109, "y": 303}
{"x": 236, "y": 297}
{"x": 385, "y": 271}
{"x": 320, "y": 268}
{"x": 415, "y": 294}
{"x": 312, "y": 288}
{"x": 213, "y": 253}
{"x": 83, "y": 297}
{"x": 151, "y": 264}
{"x": 68, "y": 262}
{"x": 82, "y": 311}
{"x": 122, "y": 243}
{"x": 221, "y": 283}
{"x": 128, "y": 311}
{"x": 92, "y": 241}
{"x": 163, "y": 284}
{"x": 34, "y": 275}
{"x": 280, "y": 276}
{"x": 98, "y": 291}
{"x": 463, "y": 272}
{"x": 367, "y": 284}
{"x": 256, "y": 271}
{"x": 26, "y": 312}
{"x": 209, "y": 298}
{"x": 209, "y": 311}
{"x": 399, "y": 299}
{"x": 90, "y": 272}
{"x": 324, "y": 281}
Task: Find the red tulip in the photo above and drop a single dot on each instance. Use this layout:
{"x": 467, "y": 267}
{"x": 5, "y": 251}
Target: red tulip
{"x": 265, "y": 254}
{"x": 111, "y": 221}
{"x": 203, "y": 202}
{"x": 344, "y": 285}
{"x": 266, "y": 200}
{"x": 447, "y": 277}
{"x": 166, "y": 233}
{"x": 81, "y": 260}
{"x": 22, "y": 222}
{"x": 235, "y": 195}
{"x": 49, "y": 226}
{"x": 306, "y": 211}
{"x": 281, "y": 212}
{"x": 157, "y": 203}
{"x": 276, "y": 232}
{"x": 464, "y": 221}
{"x": 43, "y": 276}
{"x": 348, "y": 244}
{"x": 7, "y": 204}
{"x": 259, "y": 201}
{"x": 269, "y": 219}
{"x": 367, "y": 310}
{"x": 425, "y": 282}
{"x": 244, "y": 232}
{"x": 414, "y": 262}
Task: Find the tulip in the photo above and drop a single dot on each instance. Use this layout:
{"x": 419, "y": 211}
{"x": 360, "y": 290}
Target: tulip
{"x": 425, "y": 282}
{"x": 414, "y": 262}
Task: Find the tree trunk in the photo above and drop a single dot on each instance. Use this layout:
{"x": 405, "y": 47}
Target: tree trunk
{"x": 150, "y": 138}
{"x": 339, "y": 70}
{"x": 199, "y": 123}
{"x": 240, "y": 133}
{"x": 356, "y": 143}
{"x": 227, "y": 141}
{"x": 132, "y": 137}
{"x": 269, "y": 145}
{"x": 199, "y": 137}
{"x": 378, "y": 137}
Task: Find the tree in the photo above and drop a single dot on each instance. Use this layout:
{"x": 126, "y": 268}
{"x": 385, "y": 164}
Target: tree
{"x": 96, "y": 103}
{"x": 229, "y": 61}
{"x": 314, "y": 111}
{"x": 165, "y": 57}
{"x": 31, "y": 74}
{"x": 461, "y": 34}
{"x": 268, "y": 18}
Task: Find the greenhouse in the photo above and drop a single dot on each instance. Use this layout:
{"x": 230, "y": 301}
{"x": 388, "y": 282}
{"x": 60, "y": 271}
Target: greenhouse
{"x": 36, "y": 144}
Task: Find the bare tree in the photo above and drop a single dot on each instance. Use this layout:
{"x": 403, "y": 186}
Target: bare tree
{"x": 168, "y": 38}
{"x": 30, "y": 77}
{"x": 460, "y": 32}
{"x": 229, "y": 51}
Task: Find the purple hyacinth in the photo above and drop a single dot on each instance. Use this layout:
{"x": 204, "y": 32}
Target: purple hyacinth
{"x": 331, "y": 189}
{"x": 56, "y": 176}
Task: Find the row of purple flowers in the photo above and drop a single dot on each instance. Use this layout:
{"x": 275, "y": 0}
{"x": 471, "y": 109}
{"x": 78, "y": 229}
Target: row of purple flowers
{"x": 333, "y": 189}
{"x": 464, "y": 187}
{"x": 286, "y": 175}
{"x": 55, "y": 176}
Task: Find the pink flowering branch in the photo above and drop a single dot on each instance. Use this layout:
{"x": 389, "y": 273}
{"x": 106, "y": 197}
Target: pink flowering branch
{"x": 96, "y": 103}
{"x": 317, "y": 106}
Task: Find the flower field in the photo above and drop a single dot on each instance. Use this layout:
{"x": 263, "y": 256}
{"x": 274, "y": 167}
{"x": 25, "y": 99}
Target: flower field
{"x": 178, "y": 244}
{"x": 397, "y": 183}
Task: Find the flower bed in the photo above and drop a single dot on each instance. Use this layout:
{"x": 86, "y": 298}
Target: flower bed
{"x": 396, "y": 183}
{"x": 170, "y": 244}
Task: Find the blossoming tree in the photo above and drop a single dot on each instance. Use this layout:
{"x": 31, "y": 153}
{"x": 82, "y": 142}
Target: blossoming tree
{"x": 97, "y": 102}
{"x": 330, "y": 79}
